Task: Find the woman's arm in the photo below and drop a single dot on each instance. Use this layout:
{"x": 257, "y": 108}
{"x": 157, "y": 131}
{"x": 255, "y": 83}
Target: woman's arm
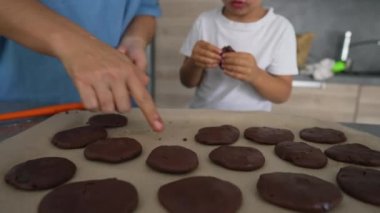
{"x": 104, "y": 77}
{"x": 33, "y": 25}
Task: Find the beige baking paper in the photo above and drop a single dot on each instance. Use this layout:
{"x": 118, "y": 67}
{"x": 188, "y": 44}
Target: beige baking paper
{"x": 181, "y": 126}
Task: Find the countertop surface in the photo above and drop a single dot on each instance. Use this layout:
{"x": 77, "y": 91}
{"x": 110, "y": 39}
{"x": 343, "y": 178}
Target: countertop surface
{"x": 11, "y": 128}
{"x": 181, "y": 124}
{"x": 369, "y": 80}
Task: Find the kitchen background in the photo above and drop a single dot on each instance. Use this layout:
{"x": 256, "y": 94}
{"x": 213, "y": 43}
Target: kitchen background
{"x": 329, "y": 19}
{"x": 344, "y": 98}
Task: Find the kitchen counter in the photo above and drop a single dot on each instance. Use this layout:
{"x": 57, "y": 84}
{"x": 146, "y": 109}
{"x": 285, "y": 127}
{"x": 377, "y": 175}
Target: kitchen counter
{"x": 368, "y": 80}
{"x": 11, "y": 128}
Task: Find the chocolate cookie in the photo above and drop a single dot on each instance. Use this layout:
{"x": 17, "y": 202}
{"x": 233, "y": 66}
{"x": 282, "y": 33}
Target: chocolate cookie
{"x": 298, "y": 192}
{"x": 172, "y": 159}
{"x": 301, "y": 154}
{"x": 222, "y": 135}
{"x": 354, "y": 153}
{"x": 113, "y": 150}
{"x": 321, "y": 135}
{"x": 41, "y": 173}
{"x": 226, "y": 49}
{"x": 108, "y": 120}
{"x": 237, "y": 158}
{"x": 360, "y": 183}
{"x": 78, "y": 137}
{"x": 95, "y": 196}
{"x": 268, "y": 135}
{"x": 200, "y": 195}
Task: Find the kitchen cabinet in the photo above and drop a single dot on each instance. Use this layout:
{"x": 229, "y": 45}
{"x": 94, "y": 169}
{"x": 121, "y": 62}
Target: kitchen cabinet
{"x": 332, "y": 102}
{"x": 335, "y": 102}
{"x": 369, "y": 105}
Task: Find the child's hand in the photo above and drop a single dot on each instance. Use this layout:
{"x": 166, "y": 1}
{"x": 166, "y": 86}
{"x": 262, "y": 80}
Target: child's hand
{"x": 206, "y": 55}
{"x": 239, "y": 65}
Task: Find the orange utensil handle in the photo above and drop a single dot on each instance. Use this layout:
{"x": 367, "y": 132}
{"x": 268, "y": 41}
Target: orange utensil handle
{"x": 48, "y": 110}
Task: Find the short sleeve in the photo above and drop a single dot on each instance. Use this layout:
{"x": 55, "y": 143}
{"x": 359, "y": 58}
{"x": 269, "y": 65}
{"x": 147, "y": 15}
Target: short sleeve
{"x": 192, "y": 38}
{"x": 2, "y": 42}
{"x": 150, "y": 8}
{"x": 284, "y": 60}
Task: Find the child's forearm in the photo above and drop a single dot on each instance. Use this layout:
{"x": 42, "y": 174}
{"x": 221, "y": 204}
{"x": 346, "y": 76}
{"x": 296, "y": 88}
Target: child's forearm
{"x": 277, "y": 89}
{"x": 190, "y": 73}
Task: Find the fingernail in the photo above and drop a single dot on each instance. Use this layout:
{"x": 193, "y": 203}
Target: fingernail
{"x": 93, "y": 108}
{"x": 158, "y": 125}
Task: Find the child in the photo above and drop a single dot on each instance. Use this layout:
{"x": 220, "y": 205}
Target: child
{"x": 258, "y": 73}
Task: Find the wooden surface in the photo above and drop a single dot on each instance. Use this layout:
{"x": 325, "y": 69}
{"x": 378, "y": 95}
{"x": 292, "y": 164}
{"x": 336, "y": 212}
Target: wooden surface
{"x": 180, "y": 124}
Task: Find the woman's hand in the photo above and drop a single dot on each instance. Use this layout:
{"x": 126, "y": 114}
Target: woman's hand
{"x": 106, "y": 78}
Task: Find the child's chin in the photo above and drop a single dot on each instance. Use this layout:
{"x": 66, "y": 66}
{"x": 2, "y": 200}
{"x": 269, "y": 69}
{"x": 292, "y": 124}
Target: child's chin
{"x": 240, "y": 12}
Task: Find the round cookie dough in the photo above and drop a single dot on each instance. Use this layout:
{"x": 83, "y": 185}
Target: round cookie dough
{"x": 360, "y": 183}
{"x": 41, "y": 173}
{"x": 78, "y": 137}
{"x": 200, "y": 195}
{"x": 221, "y": 135}
{"x": 268, "y": 135}
{"x": 237, "y": 158}
{"x": 108, "y": 120}
{"x": 172, "y": 159}
{"x": 301, "y": 154}
{"x": 113, "y": 150}
{"x": 323, "y": 135}
{"x": 298, "y": 192}
{"x": 95, "y": 196}
{"x": 354, "y": 153}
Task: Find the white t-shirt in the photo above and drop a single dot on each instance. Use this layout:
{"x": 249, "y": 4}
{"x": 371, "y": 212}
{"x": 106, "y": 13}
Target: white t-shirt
{"x": 271, "y": 40}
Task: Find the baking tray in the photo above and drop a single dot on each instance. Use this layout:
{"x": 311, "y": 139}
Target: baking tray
{"x": 181, "y": 126}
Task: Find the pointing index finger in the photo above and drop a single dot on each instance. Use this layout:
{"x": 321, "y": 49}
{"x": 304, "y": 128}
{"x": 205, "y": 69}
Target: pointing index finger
{"x": 145, "y": 102}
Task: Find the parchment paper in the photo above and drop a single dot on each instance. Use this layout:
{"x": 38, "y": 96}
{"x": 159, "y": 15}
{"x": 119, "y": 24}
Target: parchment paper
{"x": 181, "y": 126}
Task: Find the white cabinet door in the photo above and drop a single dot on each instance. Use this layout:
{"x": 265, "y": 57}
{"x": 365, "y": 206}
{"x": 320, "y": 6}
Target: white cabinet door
{"x": 334, "y": 102}
{"x": 369, "y": 105}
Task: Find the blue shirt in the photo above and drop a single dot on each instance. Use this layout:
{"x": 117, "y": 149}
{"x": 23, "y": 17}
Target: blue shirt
{"x": 26, "y": 75}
